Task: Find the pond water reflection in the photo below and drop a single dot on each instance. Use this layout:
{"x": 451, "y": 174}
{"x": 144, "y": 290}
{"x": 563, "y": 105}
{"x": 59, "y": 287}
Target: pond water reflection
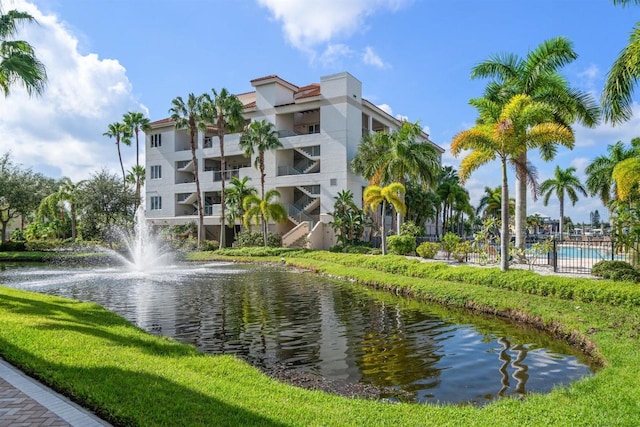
{"x": 273, "y": 316}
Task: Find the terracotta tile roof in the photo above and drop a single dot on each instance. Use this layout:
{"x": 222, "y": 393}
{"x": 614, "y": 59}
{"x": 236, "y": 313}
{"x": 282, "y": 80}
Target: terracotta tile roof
{"x": 250, "y": 105}
{"x": 271, "y": 76}
{"x": 161, "y": 121}
{"x": 307, "y": 91}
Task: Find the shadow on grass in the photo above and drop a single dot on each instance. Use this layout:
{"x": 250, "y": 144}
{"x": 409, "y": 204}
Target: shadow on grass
{"x": 89, "y": 319}
{"x": 129, "y": 398}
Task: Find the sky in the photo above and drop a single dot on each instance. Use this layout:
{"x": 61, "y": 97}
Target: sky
{"x": 413, "y": 57}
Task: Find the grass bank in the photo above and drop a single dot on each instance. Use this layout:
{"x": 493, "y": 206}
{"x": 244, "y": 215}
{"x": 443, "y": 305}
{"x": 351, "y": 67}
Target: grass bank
{"x": 132, "y": 378}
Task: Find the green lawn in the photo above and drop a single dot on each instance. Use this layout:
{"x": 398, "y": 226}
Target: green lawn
{"x": 131, "y": 378}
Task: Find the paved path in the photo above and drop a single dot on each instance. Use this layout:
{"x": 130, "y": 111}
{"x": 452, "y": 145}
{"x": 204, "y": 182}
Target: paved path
{"x": 26, "y": 402}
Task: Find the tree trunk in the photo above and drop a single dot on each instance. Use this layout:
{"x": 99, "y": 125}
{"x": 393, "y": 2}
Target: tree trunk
{"x": 504, "y": 227}
{"x": 124, "y": 179}
{"x": 264, "y": 229}
{"x": 561, "y": 200}
{"x": 222, "y": 195}
{"x": 74, "y": 233}
{"x": 196, "y": 176}
{"x": 521, "y": 202}
{"x": 384, "y": 231}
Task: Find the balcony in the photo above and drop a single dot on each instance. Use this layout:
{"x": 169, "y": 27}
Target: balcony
{"x": 228, "y": 174}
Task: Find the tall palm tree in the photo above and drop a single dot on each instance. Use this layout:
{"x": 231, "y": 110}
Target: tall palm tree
{"x": 563, "y": 182}
{"x": 137, "y": 122}
{"x": 499, "y": 135}
{"x": 236, "y": 193}
{"x": 386, "y": 157}
{"x": 375, "y": 196}
{"x": 600, "y": 171}
{"x": 266, "y": 208}
{"x": 186, "y": 115}
{"x": 18, "y": 62}
{"x": 259, "y": 137}
{"x": 223, "y": 111}
{"x": 135, "y": 177}
{"x": 622, "y": 78}
{"x": 537, "y": 75}
{"x": 122, "y": 134}
{"x": 70, "y": 193}
{"x": 490, "y": 204}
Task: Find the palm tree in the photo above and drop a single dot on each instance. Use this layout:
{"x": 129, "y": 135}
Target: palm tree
{"x": 224, "y": 112}
{"x": 537, "y": 75}
{"x": 137, "y": 122}
{"x": 490, "y": 204}
{"x": 384, "y": 157}
{"x": 122, "y": 134}
{"x": 136, "y": 177}
{"x": 624, "y": 73}
{"x": 374, "y": 196}
{"x": 236, "y": 193}
{"x": 265, "y": 209}
{"x": 259, "y": 136}
{"x": 626, "y": 175}
{"x": 600, "y": 171}
{"x": 563, "y": 182}
{"x": 186, "y": 116}
{"x": 69, "y": 193}
{"x": 499, "y": 135}
{"x": 18, "y": 62}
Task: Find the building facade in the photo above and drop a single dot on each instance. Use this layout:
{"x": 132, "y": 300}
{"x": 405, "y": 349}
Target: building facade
{"x": 319, "y": 126}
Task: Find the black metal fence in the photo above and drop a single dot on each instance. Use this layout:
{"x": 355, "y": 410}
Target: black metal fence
{"x": 569, "y": 256}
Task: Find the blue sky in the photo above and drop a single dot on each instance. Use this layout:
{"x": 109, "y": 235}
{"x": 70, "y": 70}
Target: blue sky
{"x": 106, "y": 57}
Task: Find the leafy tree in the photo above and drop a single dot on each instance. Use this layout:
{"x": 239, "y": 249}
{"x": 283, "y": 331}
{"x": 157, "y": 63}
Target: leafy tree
{"x": 349, "y": 220}
{"x": 122, "y": 134}
{"x": 223, "y": 111}
{"x": 375, "y": 196}
{"x": 20, "y": 192}
{"x": 18, "y": 62}
{"x": 626, "y": 175}
{"x": 386, "y": 157}
{"x": 622, "y": 78}
{"x": 563, "y": 182}
{"x": 536, "y": 75}
{"x": 265, "y": 209}
{"x": 104, "y": 204}
{"x": 259, "y": 137}
{"x": 187, "y": 115}
{"x": 499, "y": 136}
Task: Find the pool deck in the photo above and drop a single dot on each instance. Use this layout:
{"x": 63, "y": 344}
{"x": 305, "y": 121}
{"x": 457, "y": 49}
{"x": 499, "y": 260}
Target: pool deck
{"x": 26, "y": 402}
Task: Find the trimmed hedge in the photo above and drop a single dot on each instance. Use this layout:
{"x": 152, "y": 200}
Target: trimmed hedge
{"x": 568, "y": 288}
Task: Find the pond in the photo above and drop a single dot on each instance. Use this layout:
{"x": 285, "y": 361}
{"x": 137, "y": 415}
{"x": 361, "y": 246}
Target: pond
{"x": 277, "y": 318}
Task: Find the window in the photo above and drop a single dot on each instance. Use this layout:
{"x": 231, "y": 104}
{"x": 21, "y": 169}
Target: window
{"x": 156, "y": 140}
{"x": 156, "y": 203}
{"x": 314, "y": 128}
{"x": 156, "y": 172}
{"x": 333, "y": 182}
{"x": 208, "y": 142}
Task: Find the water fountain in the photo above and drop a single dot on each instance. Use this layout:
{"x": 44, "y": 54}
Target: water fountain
{"x": 145, "y": 253}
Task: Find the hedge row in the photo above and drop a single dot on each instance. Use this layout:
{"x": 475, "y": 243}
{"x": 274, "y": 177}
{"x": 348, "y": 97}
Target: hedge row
{"x": 568, "y": 288}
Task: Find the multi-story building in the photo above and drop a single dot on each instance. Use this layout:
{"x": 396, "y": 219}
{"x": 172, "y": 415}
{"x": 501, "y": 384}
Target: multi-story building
{"x": 319, "y": 126}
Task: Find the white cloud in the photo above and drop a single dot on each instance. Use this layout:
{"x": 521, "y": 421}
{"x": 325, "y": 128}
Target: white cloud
{"x": 370, "y": 57}
{"x": 60, "y": 133}
{"x": 605, "y": 134}
{"x": 333, "y": 53}
{"x": 308, "y": 24}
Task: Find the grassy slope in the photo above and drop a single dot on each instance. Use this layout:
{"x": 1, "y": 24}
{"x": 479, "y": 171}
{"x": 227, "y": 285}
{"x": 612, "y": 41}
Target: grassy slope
{"x": 130, "y": 377}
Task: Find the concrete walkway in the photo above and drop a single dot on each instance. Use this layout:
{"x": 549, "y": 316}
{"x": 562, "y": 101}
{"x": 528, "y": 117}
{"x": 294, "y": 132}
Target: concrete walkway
{"x": 26, "y": 402}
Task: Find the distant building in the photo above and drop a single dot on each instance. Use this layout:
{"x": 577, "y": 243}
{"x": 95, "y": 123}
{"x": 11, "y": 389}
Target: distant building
{"x": 320, "y": 127}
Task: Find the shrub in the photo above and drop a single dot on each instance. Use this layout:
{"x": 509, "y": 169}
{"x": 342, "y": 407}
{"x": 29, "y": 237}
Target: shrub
{"x": 616, "y": 270}
{"x": 10, "y": 246}
{"x": 449, "y": 243}
{"x": 363, "y": 248}
{"x": 248, "y": 238}
{"x": 461, "y": 250}
{"x": 209, "y": 245}
{"x": 410, "y": 228}
{"x": 428, "y": 249}
{"x": 402, "y": 245}
{"x": 43, "y": 245}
